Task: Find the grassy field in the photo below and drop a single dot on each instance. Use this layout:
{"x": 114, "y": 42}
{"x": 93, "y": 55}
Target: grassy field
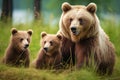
{"x": 12, "y": 73}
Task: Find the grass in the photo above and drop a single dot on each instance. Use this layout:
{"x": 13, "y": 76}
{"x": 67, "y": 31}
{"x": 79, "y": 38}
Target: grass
{"x": 12, "y": 73}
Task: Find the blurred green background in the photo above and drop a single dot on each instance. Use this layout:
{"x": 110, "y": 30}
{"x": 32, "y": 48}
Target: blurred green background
{"x": 23, "y": 10}
{"x": 44, "y": 15}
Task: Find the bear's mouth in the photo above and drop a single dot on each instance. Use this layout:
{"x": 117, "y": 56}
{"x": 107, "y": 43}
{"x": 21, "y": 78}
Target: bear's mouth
{"x": 74, "y": 32}
{"x": 25, "y": 47}
{"x": 48, "y": 54}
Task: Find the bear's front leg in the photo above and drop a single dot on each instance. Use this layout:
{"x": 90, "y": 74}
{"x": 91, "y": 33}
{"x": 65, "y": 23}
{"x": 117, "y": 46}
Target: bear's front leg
{"x": 80, "y": 56}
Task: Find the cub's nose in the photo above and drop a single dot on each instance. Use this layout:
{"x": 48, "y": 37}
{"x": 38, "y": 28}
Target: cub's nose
{"x": 46, "y": 49}
{"x": 26, "y": 45}
{"x": 73, "y": 29}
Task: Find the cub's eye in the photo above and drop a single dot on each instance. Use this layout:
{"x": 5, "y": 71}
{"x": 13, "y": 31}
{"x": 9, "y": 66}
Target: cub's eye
{"x": 51, "y": 43}
{"x": 81, "y": 21}
{"x": 21, "y": 39}
{"x": 71, "y": 19}
{"x": 44, "y": 42}
{"x": 27, "y": 39}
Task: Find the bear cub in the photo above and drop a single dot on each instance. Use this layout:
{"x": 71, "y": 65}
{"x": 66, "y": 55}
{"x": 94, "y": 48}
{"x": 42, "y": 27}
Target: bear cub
{"x": 17, "y": 53}
{"x": 49, "y": 56}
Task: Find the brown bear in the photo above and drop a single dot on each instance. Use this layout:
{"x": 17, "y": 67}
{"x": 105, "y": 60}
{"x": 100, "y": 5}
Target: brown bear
{"x": 49, "y": 56}
{"x": 80, "y": 24}
{"x": 17, "y": 53}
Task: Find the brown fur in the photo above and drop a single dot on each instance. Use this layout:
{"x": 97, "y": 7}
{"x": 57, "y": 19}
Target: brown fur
{"x": 67, "y": 50}
{"x": 48, "y": 62}
{"x": 51, "y": 58}
{"x": 16, "y": 54}
{"x": 80, "y": 24}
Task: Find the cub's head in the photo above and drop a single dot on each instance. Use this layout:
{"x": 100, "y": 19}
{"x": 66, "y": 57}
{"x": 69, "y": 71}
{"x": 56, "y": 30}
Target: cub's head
{"x": 78, "y": 21}
{"x": 20, "y": 39}
{"x": 50, "y": 42}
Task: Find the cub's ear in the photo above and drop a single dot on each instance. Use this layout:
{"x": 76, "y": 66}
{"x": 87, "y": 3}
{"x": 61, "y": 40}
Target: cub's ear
{"x": 59, "y": 36}
{"x": 92, "y": 8}
{"x": 66, "y": 6}
{"x": 30, "y": 32}
{"x": 43, "y": 34}
{"x": 13, "y": 31}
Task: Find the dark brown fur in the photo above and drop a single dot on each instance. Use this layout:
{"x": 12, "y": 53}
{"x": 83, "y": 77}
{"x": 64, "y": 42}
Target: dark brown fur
{"x": 67, "y": 49}
{"x": 14, "y": 57}
{"x": 48, "y": 62}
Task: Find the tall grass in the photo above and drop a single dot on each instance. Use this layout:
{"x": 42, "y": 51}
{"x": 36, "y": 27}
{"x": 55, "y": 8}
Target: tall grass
{"x": 12, "y": 73}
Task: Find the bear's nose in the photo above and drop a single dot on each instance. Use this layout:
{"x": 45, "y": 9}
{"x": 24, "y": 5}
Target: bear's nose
{"x": 46, "y": 49}
{"x": 73, "y": 29}
{"x": 26, "y": 45}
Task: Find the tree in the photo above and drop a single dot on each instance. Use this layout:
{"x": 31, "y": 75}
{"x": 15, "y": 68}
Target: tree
{"x": 37, "y": 9}
{"x": 7, "y": 8}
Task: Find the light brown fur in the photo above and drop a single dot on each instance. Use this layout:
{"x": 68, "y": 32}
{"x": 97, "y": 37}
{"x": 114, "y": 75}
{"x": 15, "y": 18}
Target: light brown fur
{"x": 80, "y": 24}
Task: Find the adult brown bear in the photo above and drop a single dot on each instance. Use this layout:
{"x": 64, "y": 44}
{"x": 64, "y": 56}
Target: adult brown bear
{"x": 80, "y": 24}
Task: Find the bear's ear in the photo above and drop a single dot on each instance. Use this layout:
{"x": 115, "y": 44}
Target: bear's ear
{"x": 43, "y": 34}
{"x": 30, "y": 32}
{"x": 66, "y": 6}
{"x": 59, "y": 36}
{"x": 92, "y": 7}
{"x": 13, "y": 31}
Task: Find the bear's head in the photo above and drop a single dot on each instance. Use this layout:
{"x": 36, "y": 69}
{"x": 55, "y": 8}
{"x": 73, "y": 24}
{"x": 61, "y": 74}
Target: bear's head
{"x": 20, "y": 40}
{"x": 78, "y": 21}
{"x": 50, "y": 42}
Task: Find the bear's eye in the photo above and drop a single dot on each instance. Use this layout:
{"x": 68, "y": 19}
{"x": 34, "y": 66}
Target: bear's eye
{"x": 71, "y": 19}
{"x": 44, "y": 42}
{"x": 21, "y": 39}
{"x": 51, "y": 43}
{"x": 81, "y": 21}
{"x": 27, "y": 39}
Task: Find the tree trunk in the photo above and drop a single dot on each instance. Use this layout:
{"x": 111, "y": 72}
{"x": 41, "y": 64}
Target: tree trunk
{"x": 37, "y": 9}
{"x": 7, "y": 7}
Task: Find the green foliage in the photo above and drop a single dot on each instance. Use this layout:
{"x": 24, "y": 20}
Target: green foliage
{"x": 12, "y": 73}
{"x": 81, "y": 75}
{"x": 54, "y": 6}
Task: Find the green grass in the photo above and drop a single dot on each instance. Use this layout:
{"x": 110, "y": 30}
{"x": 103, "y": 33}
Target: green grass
{"x": 12, "y": 73}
